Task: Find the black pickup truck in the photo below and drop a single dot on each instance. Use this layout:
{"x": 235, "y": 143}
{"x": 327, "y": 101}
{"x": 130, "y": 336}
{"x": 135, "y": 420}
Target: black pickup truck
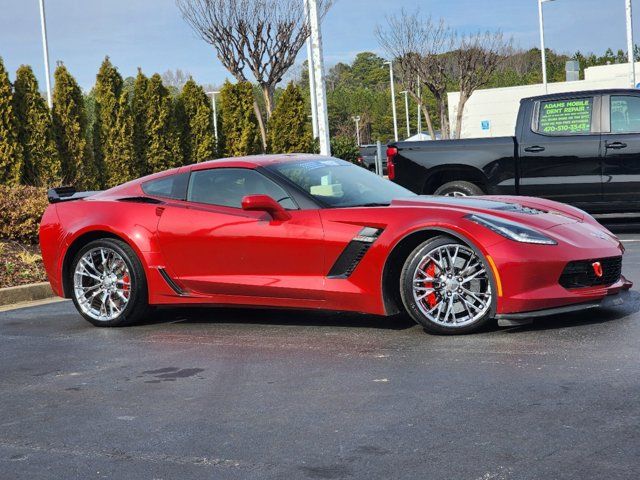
{"x": 581, "y": 148}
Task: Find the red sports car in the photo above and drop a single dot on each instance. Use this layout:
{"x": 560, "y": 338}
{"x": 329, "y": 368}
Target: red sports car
{"x": 306, "y": 231}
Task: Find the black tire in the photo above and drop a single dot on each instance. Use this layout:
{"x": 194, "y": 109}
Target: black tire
{"x": 407, "y": 288}
{"x": 137, "y": 306}
{"x": 459, "y": 188}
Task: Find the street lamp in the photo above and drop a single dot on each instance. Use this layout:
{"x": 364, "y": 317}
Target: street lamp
{"x": 45, "y": 47}
{"x": 357, "y": 120}
{"x": 419, "y": 124}
{"x": 542, "y": 48}
{"x": 215, "y": 114}
{"x": 393, "y": 101}
{"x": 318, "y": 72}
{"x": 630, "y": 47}
{"x": 312, "y": 80}
{"x": 406, "y": 109}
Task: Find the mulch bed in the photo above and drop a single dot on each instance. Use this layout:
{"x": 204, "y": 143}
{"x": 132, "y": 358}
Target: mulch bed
{"x": 20, "y": 264}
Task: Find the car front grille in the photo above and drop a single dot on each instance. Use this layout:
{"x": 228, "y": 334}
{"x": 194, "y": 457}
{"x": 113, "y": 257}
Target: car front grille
{"x": 581, "y": 273}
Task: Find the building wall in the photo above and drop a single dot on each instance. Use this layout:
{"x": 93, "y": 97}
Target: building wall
{"x": 499, "y": 106}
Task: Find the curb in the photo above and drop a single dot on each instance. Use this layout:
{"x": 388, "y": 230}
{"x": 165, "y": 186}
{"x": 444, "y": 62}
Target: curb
{"x": 25, "y": 293}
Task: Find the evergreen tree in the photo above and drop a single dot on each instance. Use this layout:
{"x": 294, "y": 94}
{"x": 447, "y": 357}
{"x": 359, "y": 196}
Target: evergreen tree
{"x": 288, "y": 130}
{"x": 163, "y": 144}
{"x": 10, "y": 149}
{"x": 240, "y": 131}
{"x": 107, "y": 91}
{"x": 70, "y": 129}
{"x": 121, "y": 165}
{"x": 139, "y": 113}
{"x": 196, "y": 118}
{"x": 41, "y": 164}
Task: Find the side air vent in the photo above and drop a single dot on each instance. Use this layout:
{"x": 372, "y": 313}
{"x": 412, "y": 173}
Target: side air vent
{"x": 354, "y": 252}
{"x": 174, "y": 286}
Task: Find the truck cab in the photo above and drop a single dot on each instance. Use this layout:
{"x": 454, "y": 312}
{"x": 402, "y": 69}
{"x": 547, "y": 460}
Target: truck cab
{"x": 581, "y": 148}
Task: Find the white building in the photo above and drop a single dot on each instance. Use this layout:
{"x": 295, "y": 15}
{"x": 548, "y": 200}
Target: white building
{"x": 492, "y": 112}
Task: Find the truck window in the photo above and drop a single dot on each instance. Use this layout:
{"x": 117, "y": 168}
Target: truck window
{"x": 565, "y": 117}
{"x": 625, "y": 114}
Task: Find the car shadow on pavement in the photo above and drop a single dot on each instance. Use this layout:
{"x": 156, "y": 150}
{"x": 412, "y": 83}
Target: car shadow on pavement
{"x": 251, "y": 316}
{"x": 583, "y": 318}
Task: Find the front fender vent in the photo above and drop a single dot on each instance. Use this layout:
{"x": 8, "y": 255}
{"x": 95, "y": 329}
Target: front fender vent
{"x": 354, "y": 252}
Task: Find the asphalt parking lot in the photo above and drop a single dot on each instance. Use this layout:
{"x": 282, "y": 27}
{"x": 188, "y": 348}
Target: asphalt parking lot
{"x": 254, "y": 394}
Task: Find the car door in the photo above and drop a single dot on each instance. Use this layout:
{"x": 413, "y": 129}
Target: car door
{"x": 621, "y": 151}
{"x": 214, "y": 247}
{"x": 559, "y": 151}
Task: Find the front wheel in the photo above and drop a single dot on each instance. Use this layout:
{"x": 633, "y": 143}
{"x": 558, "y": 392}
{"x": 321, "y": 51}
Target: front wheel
{"x": 109, "y": 287}
{"x": 447, "y": 287}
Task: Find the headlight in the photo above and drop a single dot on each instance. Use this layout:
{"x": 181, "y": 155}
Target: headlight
{"x": 512, "y": 230}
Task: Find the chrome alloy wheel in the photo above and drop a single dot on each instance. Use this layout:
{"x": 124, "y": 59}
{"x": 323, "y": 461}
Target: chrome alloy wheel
{"x": 455, "y": 193}
{"x": 102, "y": 284}
{"x": 451, "y": 286}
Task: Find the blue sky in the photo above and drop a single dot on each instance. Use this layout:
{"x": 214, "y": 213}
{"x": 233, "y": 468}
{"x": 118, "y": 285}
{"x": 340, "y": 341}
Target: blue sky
{"x": 151, "y": 33}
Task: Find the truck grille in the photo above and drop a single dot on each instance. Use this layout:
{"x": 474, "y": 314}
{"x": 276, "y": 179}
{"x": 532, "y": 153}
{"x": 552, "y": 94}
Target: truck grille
{"x": 581, "y": 273}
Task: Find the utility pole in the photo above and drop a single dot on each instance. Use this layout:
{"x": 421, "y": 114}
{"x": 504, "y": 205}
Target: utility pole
{"x": 406, "y": 110}
{"x": 357, "y": 120}
{"x": 45, "y": 47}
{"x": 312, "y": 80}
{"x": 318, "y": 72}
{"x": 630, "y": 46}
{"x": 215, "y": 114}
{"x": 393, "y": 100}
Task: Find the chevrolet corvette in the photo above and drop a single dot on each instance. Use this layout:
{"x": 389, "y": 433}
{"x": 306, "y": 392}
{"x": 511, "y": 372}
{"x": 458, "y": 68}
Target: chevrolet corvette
{"x": 314, "y": 232}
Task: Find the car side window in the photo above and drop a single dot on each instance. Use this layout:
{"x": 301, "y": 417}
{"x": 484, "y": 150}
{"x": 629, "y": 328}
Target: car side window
{"x": 171, "y": 186}
{"x": 565, "y": 117}
{"x": 625, "y": 114}
{"x": 228, "y": 186}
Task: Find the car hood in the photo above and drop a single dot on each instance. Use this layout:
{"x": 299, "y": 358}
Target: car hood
{"x": 536, "y": 212}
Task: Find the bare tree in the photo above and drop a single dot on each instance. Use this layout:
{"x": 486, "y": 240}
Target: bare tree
{"x": 262, "y": 37}
{"x": 419, "y": 48}
{"x": 175, "y": 78}
{"x": 476, "y": 60}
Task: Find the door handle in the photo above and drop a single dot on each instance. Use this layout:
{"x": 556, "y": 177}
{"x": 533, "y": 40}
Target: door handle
{"x": 534, "y": 149}
{"x": 615, "y": 145}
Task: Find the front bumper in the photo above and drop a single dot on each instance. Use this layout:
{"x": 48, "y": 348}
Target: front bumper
{"x": 614, "y": 297}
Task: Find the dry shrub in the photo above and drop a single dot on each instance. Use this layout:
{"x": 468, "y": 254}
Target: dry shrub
{"x": 21, "y": 209}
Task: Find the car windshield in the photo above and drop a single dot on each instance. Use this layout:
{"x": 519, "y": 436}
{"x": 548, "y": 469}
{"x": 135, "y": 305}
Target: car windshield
{"x": 336, "y": 183}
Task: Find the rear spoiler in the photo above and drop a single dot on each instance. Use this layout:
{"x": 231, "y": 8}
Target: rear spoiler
{"x": 65, "y": 194}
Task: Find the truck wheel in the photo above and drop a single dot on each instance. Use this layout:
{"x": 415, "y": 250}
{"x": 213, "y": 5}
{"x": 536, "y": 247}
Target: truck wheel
{"x": 459, "y": 188}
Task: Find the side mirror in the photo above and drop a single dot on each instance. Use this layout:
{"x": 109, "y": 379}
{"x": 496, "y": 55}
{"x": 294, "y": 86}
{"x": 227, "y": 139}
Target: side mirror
{"x": 264, "y": 203}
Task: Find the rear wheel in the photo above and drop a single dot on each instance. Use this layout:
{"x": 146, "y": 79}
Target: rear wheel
{"x": 459, "y": 188}
{"x": 447, "y": 287}
{"x": 109, "y": 287}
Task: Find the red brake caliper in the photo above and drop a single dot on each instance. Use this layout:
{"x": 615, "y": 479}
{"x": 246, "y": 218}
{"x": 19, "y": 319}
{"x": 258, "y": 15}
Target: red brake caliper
{"x": 126, "y": 280}
{"x": 431, "y": 298}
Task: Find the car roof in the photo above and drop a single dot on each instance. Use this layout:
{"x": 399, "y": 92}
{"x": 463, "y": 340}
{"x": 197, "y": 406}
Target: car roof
{"x": 254, "y": 161}
{"x": 608, "y": 91}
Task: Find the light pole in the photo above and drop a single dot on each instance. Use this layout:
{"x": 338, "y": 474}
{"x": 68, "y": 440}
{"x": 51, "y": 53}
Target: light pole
{"x": 393, "y": 101}
{"x": 312, "y": 80}
{"x": 318, "y": 72}
{"x": 419, "y": 109}
{"x": 357, "y": 120}
{"x": 215, "y": 114}
{"x": 406, "y": 109}
{"x": 542, "y": 48}
{"x": 45, "y": 47}
{"x": 630, "y": 52}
